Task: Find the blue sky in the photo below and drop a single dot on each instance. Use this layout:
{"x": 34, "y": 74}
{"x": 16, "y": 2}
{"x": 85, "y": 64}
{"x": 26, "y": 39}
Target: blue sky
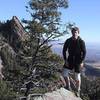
{"x": 9, "y": 8}
{"x": 85, "y": 13}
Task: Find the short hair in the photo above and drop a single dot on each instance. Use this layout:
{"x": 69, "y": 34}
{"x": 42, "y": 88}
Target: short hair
{"x": 75, "y": 29}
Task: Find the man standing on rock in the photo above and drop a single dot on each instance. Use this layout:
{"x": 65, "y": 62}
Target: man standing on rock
{"x": 74, "y": 52}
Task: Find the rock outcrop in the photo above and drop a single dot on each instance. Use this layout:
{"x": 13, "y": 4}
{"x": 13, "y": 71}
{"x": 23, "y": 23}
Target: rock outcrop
{"x": 13, "y": 29}
{"x": 12, "y": 33}
{"x": 59, "y": 94}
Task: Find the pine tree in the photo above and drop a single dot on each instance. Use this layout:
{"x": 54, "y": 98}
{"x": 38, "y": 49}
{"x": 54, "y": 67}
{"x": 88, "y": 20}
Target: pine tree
{"x": 43, "y": 27}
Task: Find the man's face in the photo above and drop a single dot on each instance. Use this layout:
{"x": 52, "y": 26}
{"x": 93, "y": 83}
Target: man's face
{"x": 75, "y": 33}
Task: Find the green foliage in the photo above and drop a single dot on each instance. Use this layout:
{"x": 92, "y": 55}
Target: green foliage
{"x": 57, "y": 58}
{"x": 5, "y": 92}
{"x": 21, "y": 57}
{"x": 90, "y": 88}
{"x": 43, "y": 28}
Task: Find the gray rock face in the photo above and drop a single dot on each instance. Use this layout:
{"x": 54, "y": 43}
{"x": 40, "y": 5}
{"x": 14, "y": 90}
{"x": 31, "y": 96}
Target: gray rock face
{"x": 59, "y": 94}
{"x": 17, "y": 27}
{"x": 13, "y": 30}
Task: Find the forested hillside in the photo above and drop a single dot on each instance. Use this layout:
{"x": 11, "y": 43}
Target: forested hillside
{"x": 16, "y": 59}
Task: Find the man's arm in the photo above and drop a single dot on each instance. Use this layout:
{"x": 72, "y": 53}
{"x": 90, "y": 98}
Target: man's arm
{"x": 65, "y": 47}
{"x": 83, "y": 47}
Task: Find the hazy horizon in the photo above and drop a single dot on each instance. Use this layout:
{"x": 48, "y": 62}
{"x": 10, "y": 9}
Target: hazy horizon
{"x": 93, "y": 51}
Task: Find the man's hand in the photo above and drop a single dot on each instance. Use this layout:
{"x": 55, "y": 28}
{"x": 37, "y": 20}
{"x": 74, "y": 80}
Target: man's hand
{"x": 66, "y": 64}
{"x": 81, "y": 65}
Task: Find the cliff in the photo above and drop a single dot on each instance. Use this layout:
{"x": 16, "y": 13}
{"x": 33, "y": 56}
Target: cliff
{"x": 12, "y": 29}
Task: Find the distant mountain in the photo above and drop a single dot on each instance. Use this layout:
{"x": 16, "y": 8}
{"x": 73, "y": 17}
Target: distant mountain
{"x": 93, "y": 52}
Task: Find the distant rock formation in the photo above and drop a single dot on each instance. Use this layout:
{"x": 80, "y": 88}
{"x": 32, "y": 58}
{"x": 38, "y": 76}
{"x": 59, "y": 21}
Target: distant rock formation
{"x": 13, "y": 31}
{"x": 17, "y": 28}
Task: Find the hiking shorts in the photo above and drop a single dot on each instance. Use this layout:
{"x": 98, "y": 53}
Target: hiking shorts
{"x": 66, "y": 72}
{"x": 75, "y": 67}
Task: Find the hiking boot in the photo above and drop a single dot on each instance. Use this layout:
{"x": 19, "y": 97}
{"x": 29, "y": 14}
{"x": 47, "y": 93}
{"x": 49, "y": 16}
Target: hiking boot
{"x": 77, "y": 93}
{"x": 68, "y": 88}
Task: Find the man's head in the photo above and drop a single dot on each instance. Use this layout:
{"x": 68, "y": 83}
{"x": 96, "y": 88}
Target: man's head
{"x": 75, "y": 32}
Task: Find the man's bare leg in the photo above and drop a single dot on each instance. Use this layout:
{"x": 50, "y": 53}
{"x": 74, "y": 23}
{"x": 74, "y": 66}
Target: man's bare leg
{"x": 66, "y": 78}
{"x": 78, "y": 83}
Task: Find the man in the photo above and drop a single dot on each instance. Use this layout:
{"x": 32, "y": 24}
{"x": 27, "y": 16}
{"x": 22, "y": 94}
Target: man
{"x": 74, "y": 52}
